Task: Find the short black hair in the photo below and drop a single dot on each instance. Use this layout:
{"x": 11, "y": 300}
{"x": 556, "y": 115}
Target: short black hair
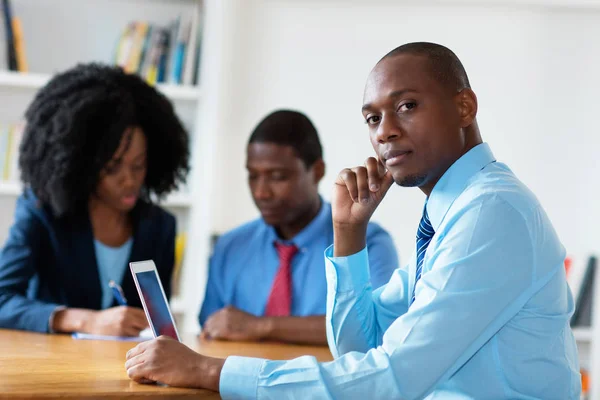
{"x": 290, "y": 128}
{"x": 445, "y": 65}
{"x": 75, "y": 124}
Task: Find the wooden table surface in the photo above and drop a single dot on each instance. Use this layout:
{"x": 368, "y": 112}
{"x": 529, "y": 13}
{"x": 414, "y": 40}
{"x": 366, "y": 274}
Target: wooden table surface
{"x": 56, "y": 366}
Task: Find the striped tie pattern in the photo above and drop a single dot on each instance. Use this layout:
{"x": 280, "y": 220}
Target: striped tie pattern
{"x": 424, "y": 235}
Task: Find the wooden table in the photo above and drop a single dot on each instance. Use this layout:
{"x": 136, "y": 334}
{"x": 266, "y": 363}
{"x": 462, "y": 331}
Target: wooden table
{"x": 57, "y": 366}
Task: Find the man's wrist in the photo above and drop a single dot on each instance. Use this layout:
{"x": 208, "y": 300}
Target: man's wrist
{"x": 265, "y": 327}
{"x": 210, "y": 372}
{"x": 349, "y": 239}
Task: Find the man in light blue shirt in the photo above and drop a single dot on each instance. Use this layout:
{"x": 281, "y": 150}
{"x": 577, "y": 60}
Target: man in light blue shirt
{"x": 481, "y": 311}
{"x": 245, "y": 296}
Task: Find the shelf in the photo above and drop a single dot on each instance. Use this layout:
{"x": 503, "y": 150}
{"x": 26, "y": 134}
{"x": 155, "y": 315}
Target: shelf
{"x": 583, "y": 334}
{"x": 179, "y": 92}
{"x": 33, "y": 81}
{"x": 23, "y": 80}
{"x": 178, "y": 200}
{"x": 8, "y": 188}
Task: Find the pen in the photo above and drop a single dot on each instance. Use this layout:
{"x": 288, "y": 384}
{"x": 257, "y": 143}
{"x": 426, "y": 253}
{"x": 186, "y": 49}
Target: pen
{"x": 118, "y": 293}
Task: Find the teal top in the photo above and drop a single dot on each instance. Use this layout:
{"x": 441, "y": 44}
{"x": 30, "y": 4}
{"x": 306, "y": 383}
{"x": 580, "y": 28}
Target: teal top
{"x": 112, "y": 262}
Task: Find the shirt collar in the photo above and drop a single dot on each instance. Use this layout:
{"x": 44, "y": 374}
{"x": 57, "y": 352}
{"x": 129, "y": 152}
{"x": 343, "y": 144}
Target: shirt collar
{"x": 311, "y": 231}
{"x": 454, "y": 181}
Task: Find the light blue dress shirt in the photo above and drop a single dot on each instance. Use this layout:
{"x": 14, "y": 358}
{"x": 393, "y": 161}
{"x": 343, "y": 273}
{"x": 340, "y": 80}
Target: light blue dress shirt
{"x": 245, "y": 262}
{"x": 112, "y": 263}
{"x": 490, "y": 319}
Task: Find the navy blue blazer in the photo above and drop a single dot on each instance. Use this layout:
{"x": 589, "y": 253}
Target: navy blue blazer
{"x": 49, "y": 262}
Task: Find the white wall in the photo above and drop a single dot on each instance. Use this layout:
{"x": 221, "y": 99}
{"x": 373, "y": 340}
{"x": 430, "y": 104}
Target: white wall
{"x": 534, "y": 70}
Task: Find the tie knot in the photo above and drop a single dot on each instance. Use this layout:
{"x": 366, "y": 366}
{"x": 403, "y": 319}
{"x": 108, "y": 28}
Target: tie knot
{"x": 425, "y": 230}
{"x": 286, "y": 251}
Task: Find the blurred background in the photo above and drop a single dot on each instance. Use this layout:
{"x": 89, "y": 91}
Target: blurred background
{"x": 532, "y": 63}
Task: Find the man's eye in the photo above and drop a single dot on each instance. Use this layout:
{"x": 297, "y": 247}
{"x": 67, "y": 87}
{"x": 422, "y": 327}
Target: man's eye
{"x": 407, "y": 106}
{"x": 374, "y": 119}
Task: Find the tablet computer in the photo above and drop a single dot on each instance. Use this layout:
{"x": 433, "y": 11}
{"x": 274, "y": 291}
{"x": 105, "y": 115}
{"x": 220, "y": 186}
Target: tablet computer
{"x": 152, "y": 295}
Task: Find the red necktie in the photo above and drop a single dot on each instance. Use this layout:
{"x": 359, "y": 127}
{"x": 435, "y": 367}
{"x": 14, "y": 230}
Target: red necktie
{"x": 280, "y": 299}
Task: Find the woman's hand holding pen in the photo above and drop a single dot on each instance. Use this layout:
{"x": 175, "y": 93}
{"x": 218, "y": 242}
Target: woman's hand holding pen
{"x": 116, "y": 321}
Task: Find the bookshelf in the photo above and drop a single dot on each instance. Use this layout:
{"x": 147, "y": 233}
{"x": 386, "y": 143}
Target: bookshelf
{"x": 34, "y": 81}
{"x": 89, "y": 31}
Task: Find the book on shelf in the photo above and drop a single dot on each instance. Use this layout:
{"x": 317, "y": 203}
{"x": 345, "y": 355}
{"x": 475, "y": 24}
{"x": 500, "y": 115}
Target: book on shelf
{"x": 14, "y": 58}
{"x": 162, "y": 54}
{"x": 10, "y": 139}
{"x": 191, "y": 57}
{"x": 19, "y": 45}
{"x": 138, "y": 38}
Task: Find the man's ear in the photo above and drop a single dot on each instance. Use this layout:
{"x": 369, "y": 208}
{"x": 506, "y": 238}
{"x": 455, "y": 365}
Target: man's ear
{"x": 318, "y": 170}
{"x": 466, "y": 101}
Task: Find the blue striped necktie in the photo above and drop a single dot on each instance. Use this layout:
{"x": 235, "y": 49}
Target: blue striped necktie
{"x": 424, "y": 235}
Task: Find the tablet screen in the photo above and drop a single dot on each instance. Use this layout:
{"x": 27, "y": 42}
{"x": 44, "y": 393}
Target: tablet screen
{"x": 155, "y": 304}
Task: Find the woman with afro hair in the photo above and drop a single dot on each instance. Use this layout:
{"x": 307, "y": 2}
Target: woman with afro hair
{"x": 98, "y": 145}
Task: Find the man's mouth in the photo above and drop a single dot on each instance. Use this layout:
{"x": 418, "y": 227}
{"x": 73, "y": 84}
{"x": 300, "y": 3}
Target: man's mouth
{"x": 395, "y": 157}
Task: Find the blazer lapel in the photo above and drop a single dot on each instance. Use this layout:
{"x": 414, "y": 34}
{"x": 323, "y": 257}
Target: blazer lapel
{"x": 138, "y": 250}
{"x": 81, "y": 273}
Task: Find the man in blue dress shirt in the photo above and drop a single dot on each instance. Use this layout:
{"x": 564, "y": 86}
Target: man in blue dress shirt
{"x": 481, "y": 311}
{"x": 252, "y": 293}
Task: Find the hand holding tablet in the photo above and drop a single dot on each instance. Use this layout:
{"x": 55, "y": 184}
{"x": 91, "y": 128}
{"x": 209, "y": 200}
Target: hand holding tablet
{"x": 153, "y": 299}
